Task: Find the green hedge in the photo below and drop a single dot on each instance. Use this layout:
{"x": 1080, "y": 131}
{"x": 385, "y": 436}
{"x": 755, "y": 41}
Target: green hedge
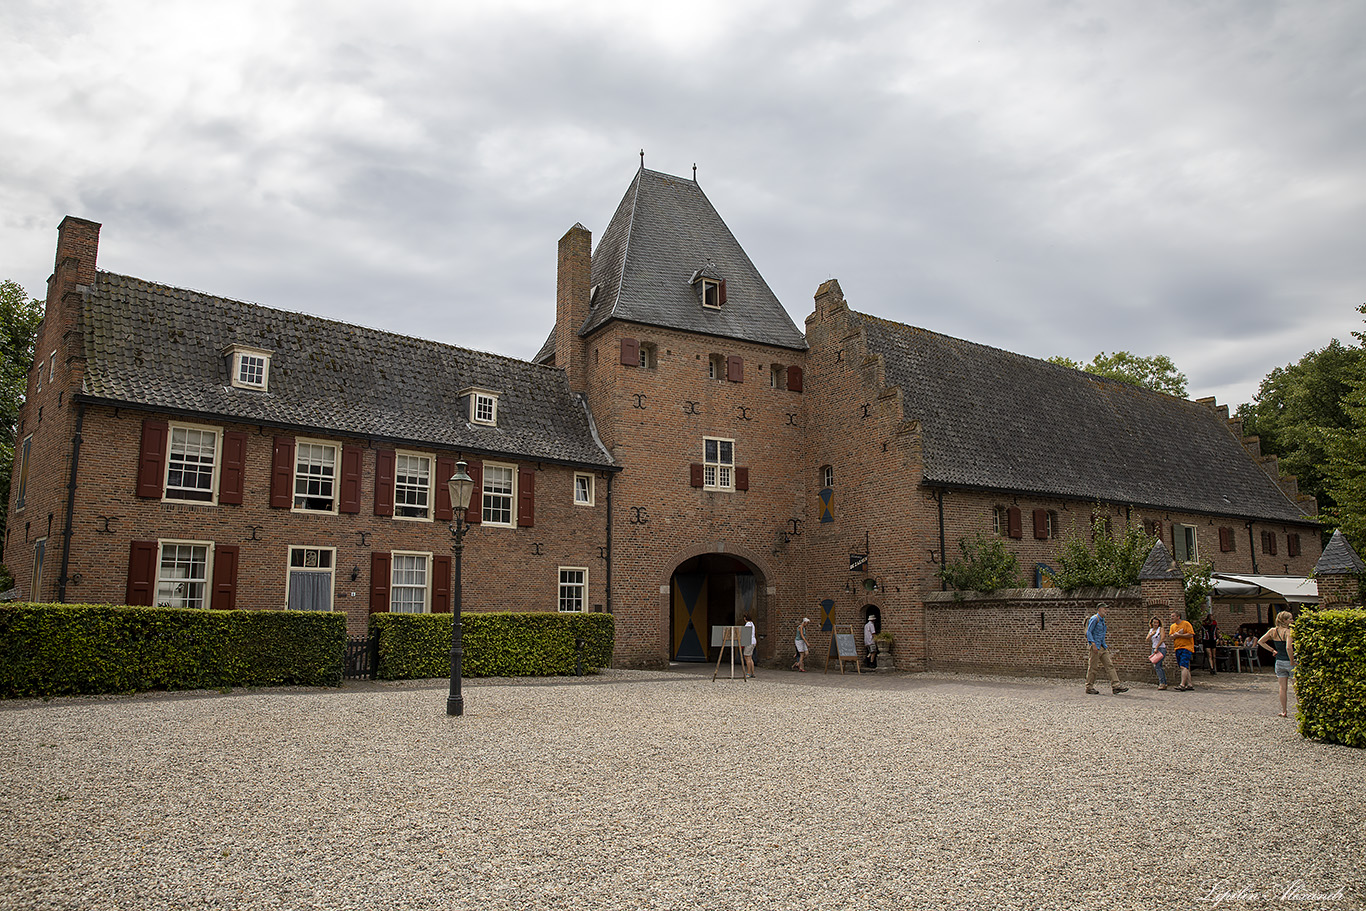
{"x": 1330, "y": 675}
{"x": 415, "y": 646}
{"x": 61, "y": 649}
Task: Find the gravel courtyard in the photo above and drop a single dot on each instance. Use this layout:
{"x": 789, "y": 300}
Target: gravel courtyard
{"x": 666, "y": 790}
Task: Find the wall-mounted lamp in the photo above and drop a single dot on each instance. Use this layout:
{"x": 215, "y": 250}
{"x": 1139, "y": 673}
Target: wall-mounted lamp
{"x": 355, "y": 573}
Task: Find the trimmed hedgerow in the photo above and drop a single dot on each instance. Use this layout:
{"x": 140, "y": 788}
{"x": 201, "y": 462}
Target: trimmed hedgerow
{"x": 1330, "y": 675}
{"x": 415, "y": 646}
{"x": 63, "y": 649}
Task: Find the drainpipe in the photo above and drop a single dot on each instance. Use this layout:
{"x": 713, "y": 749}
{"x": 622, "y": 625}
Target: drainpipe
{"x": 70, "y": 502}
{"x": 609, "y": 541}
{"x": 939, "y": 495}
{"x": 1252, "y": 548}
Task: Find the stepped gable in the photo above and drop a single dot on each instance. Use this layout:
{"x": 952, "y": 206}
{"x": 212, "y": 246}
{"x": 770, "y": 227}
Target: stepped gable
{"x": 163, "y": 348}
{"x": 664, "y": 232}
{"x": 994, "y": 420}
{"x": 1339, "y": 559}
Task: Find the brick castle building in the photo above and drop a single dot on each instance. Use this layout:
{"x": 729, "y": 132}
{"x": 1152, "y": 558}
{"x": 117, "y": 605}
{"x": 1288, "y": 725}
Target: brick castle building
{"x": 678, "y": 453}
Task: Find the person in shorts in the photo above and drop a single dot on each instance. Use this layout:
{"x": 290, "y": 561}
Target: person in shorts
{"x": 1282, "y": 640}
{"x": 749, "y": 649}
{"x": 1182, "y": 635}
{"x": 802, "y": 646}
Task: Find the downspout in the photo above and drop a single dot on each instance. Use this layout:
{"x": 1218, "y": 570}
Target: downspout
{"x": 1252, "y": 548}
{"x": 70, "y": 502}
{"x": 609, "y": 541}
{"x": 939, "y": 495}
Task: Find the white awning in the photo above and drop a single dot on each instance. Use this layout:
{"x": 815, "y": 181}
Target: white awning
{"x": 1293, "y": 589}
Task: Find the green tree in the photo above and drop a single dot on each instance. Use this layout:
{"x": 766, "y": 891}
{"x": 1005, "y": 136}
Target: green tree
{"x": 1157, "y": 372}
{"x": 1301, "y": 409}
{"x": 1346, "y": 457}
{"x": 985, "y": 566}
{"x": 19, "y": 319}
{"x": 1108, "y": 561}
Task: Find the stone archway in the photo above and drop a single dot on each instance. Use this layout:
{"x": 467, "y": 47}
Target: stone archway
{"x": 710, "y": 587}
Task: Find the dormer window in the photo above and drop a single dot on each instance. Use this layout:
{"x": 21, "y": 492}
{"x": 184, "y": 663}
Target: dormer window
{"x": 711, "y": 288}
{"x": 250, "y": 368}
{"x": 711, "y": 294}
{"x": 483, "y": 407}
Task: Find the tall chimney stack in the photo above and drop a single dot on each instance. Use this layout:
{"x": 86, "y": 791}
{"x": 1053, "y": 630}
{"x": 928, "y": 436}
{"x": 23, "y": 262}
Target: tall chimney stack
{"x": 572, "y": 289}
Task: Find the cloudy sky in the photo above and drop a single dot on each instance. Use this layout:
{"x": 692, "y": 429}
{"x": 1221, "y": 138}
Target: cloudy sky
{"x": 1186, "y": 178}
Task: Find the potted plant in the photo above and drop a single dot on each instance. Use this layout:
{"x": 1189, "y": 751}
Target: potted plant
{"x": 884, "y": 641}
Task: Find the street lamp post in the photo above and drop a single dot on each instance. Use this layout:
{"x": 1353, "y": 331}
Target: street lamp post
{"x": 461, "y": 485}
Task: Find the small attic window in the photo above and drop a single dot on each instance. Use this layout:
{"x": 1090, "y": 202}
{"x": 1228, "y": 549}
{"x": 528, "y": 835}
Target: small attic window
{"x": 250, "y": 368}
{"x": 711, "y": 289}
{"x": 483, "y": 407}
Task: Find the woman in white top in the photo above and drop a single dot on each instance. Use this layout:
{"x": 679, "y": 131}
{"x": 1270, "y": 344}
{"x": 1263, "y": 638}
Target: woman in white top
{"x": 802, "y": 647}
{"x": 1157, "y": 638}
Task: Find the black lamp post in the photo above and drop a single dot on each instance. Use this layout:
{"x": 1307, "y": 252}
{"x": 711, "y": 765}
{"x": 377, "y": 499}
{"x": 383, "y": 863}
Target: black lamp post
{"x": 461, "y": 485}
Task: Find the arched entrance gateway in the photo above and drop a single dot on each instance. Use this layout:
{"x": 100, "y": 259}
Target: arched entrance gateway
{"x": 709, "y": 590}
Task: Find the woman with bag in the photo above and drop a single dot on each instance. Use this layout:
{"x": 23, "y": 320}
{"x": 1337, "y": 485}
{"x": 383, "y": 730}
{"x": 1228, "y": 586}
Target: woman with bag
{"x": 802, "y": 646}
{"x": 1157, "y": 638}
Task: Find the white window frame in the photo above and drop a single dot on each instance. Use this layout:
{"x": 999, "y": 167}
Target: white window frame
{"x": 777, "y": 376}
{"x": 716, "y": 366}
{"x": 35, "y": 579}
{"x": 166, "y": 494}
{"x": 827, "y": 476}
{"x": 21, "y": 472}
{"x": 238, "y": 354}
{"x": 290, "y": 570}
{"x": 648, "y": 356}
{"x": 301, "y": 442}
{"x": 714, "y": 286}
{"x": 999, "y": 523}
{"x": 1190, "y": 542}
{"x": 426, "y": 580}
{"x": 478, "y": 396}
{"x": 584, "y": 476}
{"x": 485, "y": 494}
{"x": 430, "y": 504}
{"x": 40, "y": 375}
{"x": 572, "y": 590}
{"x": 51, "y": 366}
{"x": 718, "y": 474}
{"x": 207, "y": 596}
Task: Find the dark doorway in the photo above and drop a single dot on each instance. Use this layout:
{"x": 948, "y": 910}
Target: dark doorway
{"x": 707, "y": 591}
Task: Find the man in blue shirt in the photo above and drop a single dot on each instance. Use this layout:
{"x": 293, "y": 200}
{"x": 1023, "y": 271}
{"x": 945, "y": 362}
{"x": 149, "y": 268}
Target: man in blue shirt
{"x": 1099, "y": 655}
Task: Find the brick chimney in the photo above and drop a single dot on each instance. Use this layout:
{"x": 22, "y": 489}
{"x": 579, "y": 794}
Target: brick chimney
{"x": 78, "y": 244}
{"x": 572, "y": 289}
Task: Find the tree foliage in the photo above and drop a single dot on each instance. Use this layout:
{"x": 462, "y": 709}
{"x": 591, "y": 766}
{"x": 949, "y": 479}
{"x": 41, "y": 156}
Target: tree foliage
{"x": 1346, "y": 451}
{"x": 19, "y": 319}
{"x": 1157, "y": 372}
{"x": 1108, "y": 561}
{"x": 985, "y": 566}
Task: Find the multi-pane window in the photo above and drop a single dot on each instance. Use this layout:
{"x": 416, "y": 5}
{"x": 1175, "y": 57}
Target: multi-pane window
{"x": 1183, "y": 542}
{"x": 310, "y": 578}
{"x": 484, "y": 408}
{"x": 647, "y": 356}
{"x": 711, "y": 294}
{"x": 583, "y": 489}
{"x": 182, "y": 575}
{"x": 777, "y": 376}
{"x": 189, "y": 464}
{"x": 718, "y": 464}
{"x": 21, "y": 483}
{"x": 573, "y": 589}
{"x": 499, "y": 487}
{"x": 36, "y": 579}
{"x": 716, "y": 367}
{"x": 999, "y": 525}
{"x": 250, "y": 369}
{"x": 315, "y": 476}
{"x": 412, "y": 486}
{"x": 408, "y": 584}
{"x": 827, "y": 476}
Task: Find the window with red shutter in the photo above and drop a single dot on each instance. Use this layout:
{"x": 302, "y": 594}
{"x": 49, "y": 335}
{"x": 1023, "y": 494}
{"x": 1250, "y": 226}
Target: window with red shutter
{"x": 794, "y": 379}
{"x": 445, "y": 470}
{"x": 526, "y": 497}
{"x": 142, "y": 573}
{"x": 384, "y": 482}
{"x": 1225, "y": 539}
{"x": 630, "y": 352}
{"x": 379, "y": 583}
{"x": 441, "y": 584}
{"x": 282, "y": 474}
{"x": 1041, "y": 523}
{"x": 695, "y": 474}
{"x": 735, "y": 369}
{"x": 225, "y": 557}
{"x": 723, "y": 291}
{"x": 741, "y": 477}
{"x": 232, "y": 480}
{"x": 1013, "y": 518}
{"x": 152, "y": 458}
{"x": 475, "y": 513}
{"x": 352, "y": 458}
{"x": 1292, "y": 545}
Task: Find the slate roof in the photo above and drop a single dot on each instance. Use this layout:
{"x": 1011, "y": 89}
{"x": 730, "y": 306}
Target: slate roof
{"x": 664, "y": 232}
{"x": 991, "y": 419}
{"x": 1339, "y": 559}
{"x": 161, "y": 347}
{"x": 1159, "y": 565}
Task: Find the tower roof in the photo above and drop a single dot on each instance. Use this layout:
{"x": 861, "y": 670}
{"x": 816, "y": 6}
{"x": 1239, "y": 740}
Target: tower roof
{"x": 664, "y": 239}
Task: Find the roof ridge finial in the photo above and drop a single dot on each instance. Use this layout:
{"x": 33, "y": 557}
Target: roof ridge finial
{"x": 642, "y": 159}
{"x": 694, "y": 172}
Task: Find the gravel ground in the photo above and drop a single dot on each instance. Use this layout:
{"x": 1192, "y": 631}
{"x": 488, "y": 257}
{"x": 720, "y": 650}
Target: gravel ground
{"x": 665, "y": 790}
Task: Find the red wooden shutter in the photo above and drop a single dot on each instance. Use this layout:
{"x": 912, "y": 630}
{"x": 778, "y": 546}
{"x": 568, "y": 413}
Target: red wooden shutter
{"x": 231, "y": 481}
{"x": 630, "y": 352}
{"x": 445, "y": 470}
{"x": 794, "y": 379}
{"x": 352, "y": 459}
{"x": 441, "y": 585}
{"x": 475, "y": 513}
{"x": 385, "y": 461}
{"x": 282, "y": 474}
{"x": 735, "y": 368}
{"x": 1041, "y": 523}
{"x": 526, "y": 497}
{"x": 742, "y": 478}
{"x": 225, "y": 557}
{"x": 142, "y": 573}
{"x": 695, "y": 474}
{"x": 1271, "y": 540}
{"x": 379, "y": 583}
{"x": 152, "y": 459}
{"x": 1292, "y": 545}
{"x": 1225, "y": 539}
{"x": 1013, "y": 521}
{"x": 723, "y": 291}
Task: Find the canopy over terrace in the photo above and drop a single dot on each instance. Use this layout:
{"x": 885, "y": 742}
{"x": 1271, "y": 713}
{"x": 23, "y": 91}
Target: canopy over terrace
{"x": 1278, "y": 593}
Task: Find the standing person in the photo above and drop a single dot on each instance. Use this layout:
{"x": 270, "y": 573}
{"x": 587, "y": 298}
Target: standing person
{"x": 802, "y": 646}
{"x": 1183, "y": 640}
{"x": 1157, "y": 638}
{"x": 1209, "y": 638}
{"x": 1283, "y": 642}
{"x": 749, "y": 649}
{"x": 868, "y": 630}
{"x": 1098, "y": 654}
